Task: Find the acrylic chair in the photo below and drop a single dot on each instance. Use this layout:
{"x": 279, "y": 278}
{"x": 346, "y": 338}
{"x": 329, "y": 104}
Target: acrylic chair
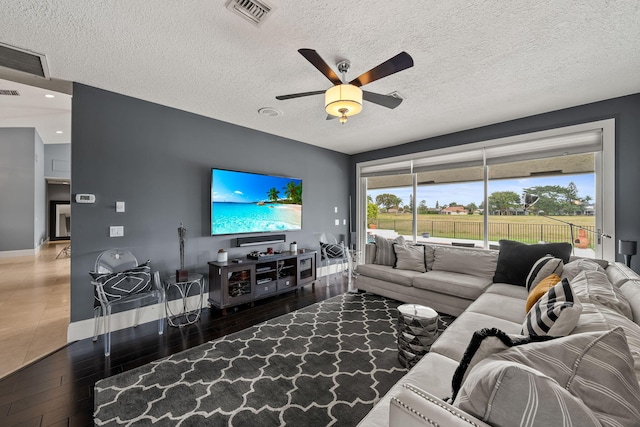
{"x": 332, "y": 253}
{"x": 118, "y": 280}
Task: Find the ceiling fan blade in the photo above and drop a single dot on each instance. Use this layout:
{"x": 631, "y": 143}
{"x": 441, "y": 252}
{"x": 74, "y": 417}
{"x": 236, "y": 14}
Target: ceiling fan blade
{"x": 315, "y": 59}
{"x": 299, "y": 95}
{"x": 384, "y": 100}
{"x": 400, "y": 62}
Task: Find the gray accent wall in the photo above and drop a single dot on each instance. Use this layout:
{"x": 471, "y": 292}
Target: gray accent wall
{"x": 158, "y": 160}
{"x": 20, "y": 214}
{"x": 625, "y": 110}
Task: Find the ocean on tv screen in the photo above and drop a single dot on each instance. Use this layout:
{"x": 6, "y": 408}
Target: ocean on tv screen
{"x": 233, "y": 218}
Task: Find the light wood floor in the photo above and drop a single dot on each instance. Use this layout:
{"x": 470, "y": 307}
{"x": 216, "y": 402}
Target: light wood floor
{"x": 34, "y": 306}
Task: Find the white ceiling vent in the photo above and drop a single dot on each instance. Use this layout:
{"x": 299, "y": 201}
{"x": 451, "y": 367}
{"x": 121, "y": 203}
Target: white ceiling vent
{"x": 23, "y": 61}
{"x": 9, "y": 92}
{"x": 254, "y": 11}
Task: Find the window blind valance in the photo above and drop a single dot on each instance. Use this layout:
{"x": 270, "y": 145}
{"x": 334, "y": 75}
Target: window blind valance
{"x": 496, "y": 152}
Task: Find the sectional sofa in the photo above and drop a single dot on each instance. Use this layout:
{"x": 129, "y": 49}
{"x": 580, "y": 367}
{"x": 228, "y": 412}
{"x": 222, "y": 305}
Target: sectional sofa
{"x": 491, "y": 366}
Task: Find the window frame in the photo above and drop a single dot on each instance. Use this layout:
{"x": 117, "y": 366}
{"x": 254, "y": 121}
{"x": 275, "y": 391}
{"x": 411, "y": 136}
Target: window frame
{"x": 604, "y": 170}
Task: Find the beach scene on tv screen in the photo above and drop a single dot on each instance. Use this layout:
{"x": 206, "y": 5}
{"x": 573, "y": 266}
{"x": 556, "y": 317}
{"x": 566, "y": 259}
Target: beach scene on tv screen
{"x": 243, "y": 202}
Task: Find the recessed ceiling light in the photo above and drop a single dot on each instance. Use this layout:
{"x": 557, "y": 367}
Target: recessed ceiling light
{"x": 58, "y": 131}
{"x": 270, "y": 112}
{"x": 49, "y": 96}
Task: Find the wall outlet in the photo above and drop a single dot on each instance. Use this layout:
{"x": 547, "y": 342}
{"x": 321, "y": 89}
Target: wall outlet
{"x": 116, "y": 231}
{"x": 335, "y": 209}
{"x": 119, "y": 206}
{"x": 337, "y": 222}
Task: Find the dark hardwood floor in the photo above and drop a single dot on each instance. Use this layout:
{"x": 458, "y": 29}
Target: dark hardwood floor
{"x": 58, "y": 389}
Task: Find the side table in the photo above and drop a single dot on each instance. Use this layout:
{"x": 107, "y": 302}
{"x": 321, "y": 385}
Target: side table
{"x": 187, "y": 315}
{"x": 417, "y": 330}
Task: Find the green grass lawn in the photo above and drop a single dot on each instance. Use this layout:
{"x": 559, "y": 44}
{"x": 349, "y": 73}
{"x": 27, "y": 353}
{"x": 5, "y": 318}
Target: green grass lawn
{"x": 524, "y": 228}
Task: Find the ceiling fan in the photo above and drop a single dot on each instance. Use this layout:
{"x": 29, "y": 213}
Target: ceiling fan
{"x": 345, "y": 99}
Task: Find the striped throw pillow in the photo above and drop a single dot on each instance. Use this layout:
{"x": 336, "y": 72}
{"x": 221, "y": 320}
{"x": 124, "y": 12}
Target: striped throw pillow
{"x": 384, "y": 250}
{"x": 544, "y": 267}
{"x": 555, "y": 314}
{"x": 596, "y": 368}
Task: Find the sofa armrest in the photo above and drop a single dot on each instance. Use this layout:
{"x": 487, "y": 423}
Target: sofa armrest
{"x": 413, "y": 407}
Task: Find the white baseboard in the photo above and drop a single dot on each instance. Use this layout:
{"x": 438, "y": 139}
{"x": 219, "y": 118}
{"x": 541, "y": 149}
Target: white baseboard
{"x": 330, "y": 269}
{"x": 125, "y": 319}
{"x": 19, "y": 253}
{"x": 84, "y": 328}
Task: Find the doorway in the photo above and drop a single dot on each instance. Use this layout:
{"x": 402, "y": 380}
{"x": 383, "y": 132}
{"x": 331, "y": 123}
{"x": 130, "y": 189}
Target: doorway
{"x": 59, "y": 220}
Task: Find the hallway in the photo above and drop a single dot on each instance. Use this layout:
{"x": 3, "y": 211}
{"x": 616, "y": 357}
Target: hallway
{"x": 34, "y": 306}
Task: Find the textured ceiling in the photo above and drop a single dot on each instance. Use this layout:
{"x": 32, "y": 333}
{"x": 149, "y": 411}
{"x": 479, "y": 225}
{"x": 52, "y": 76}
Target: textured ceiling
{"x": 476, "y": 63}
{"x": 50, "y": 116}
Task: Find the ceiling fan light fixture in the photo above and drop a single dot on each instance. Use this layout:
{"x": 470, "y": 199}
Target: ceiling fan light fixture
{"x": 343, "y": 100}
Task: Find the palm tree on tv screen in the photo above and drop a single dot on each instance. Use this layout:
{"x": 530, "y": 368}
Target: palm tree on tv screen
{"x": 273, "y": 194}
{"x": 293, "y": 192}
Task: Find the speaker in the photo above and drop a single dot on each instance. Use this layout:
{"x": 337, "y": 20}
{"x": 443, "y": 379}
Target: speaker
{"x": 260, "y": 240}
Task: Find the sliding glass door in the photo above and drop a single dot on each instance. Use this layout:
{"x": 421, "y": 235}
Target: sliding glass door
{"x": 474, "y": 195}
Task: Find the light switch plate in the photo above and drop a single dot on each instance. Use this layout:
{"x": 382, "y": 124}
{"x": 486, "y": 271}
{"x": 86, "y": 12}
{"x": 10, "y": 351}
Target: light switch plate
{"x": 337, "y": 222}
{"x": 119, "y": 206}
{"x": 116, "y": 231}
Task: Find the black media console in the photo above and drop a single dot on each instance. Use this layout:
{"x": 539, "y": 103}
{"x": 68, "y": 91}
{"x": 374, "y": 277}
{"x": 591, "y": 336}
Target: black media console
{"x": 232, "y": 283}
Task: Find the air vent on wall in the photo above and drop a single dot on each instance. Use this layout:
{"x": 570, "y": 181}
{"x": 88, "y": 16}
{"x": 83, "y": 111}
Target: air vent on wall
{"x": 254, "y": 11}
{"x": 9, "y": 92}
{"x": 23, "y": 61}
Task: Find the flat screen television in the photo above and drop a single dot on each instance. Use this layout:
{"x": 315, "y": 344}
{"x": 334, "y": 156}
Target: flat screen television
{"x": 244, "y": 202}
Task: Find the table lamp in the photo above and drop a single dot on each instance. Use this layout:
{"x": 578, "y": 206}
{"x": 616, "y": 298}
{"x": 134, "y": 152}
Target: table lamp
{"x": 628, "y": 248}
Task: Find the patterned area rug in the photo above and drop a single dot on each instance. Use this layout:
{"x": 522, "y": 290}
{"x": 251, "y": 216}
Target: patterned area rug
{"x": 326, "y": 364}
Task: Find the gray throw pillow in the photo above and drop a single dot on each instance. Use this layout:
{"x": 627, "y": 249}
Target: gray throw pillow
{"x": 596, "y": 368}
{"x": 410, "y": 257}
{"x": 384, "y": 250}
{"x": 594, "y": 287}
{"x": 475, "y": 262}
{"x": 577, "y": 266}
{"x": 505, "y": 394}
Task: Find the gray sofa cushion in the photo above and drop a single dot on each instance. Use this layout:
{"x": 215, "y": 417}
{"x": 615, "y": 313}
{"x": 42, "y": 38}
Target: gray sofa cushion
{"x": 410, "y": 257}
{"x": 454, "y": 340}
{"x": 446, "y": 282}
{"x": 388, "y": 274}
{"x": 631, "y": 290}
{"x": 620, "y": 274}
{"x": 474, "y": 262}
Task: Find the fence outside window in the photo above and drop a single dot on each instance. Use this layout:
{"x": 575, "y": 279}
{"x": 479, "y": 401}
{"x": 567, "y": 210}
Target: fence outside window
{"x": 525, "y": 233}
